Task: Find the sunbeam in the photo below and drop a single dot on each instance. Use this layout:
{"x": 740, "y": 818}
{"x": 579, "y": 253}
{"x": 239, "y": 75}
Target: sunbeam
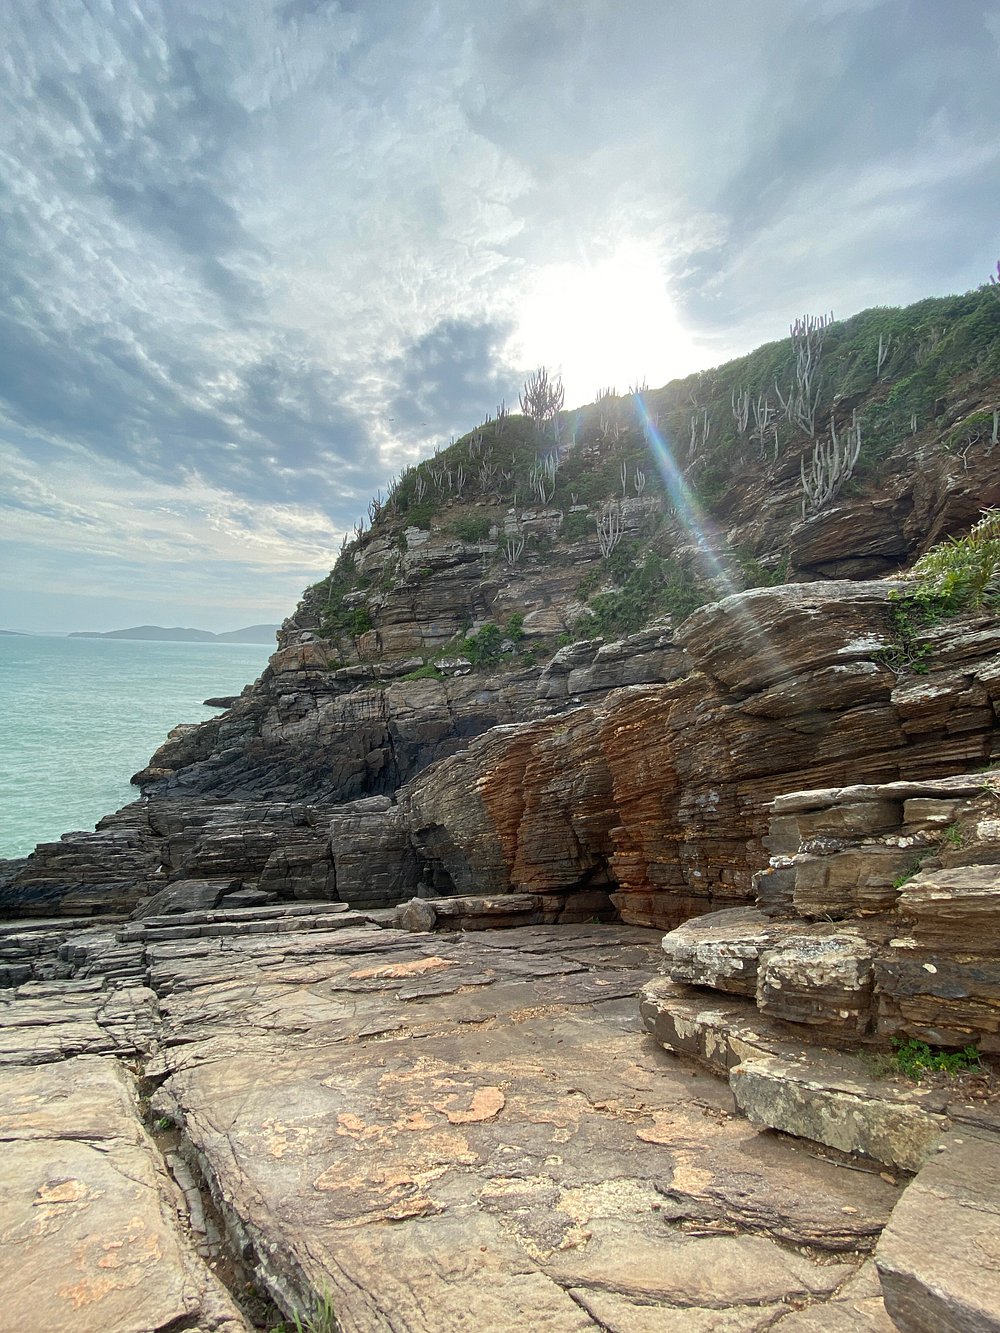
{"x": 682, "y": 498}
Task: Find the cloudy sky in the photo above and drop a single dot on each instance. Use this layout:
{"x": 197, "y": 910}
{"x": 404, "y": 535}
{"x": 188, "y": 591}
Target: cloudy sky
{"x": 260, "y": 254}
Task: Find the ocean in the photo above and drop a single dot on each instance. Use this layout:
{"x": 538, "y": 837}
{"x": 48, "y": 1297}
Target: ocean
{"x": 79, "y": 716}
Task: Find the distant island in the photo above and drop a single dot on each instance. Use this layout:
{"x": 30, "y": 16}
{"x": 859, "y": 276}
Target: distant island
{"x": 250, "y": 634}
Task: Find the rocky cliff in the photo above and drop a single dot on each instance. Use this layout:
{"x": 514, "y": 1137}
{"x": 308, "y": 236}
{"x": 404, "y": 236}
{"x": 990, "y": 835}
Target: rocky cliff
{"x": 508, "y": 654}
{"x": 666, "y": 671}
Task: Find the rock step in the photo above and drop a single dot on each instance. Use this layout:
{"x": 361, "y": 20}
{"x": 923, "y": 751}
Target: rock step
{"x": 275, "y": 925}
{"x": 816, "y": 1097}
{"x": 939, "y": 1257}
{"x": 268, "y": 912}
{"x": 62, "y": 925}
{"x": 36, "y": 950}
{"x": 780, "y": 1082}
{"x": 99, "y": 954}
{"x": 465, "y": 912}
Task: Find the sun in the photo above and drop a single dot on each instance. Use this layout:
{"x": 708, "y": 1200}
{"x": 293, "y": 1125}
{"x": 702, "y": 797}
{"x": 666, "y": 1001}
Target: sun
{"x": 610, "y": 323}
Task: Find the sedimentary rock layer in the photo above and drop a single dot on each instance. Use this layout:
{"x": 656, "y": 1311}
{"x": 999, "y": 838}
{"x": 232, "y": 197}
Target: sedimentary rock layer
{"x": 655, "y": 792}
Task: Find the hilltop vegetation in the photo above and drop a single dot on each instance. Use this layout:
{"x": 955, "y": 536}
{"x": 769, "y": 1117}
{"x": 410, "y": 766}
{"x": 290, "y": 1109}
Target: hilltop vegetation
{"x": 598, "y": 521}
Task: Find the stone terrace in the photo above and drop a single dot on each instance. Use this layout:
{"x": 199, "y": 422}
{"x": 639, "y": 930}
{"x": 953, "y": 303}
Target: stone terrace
{"x": 440, "y": 1131}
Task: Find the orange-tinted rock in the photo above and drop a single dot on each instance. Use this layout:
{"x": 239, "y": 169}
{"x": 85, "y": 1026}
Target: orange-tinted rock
{"x": 661, "y": 790}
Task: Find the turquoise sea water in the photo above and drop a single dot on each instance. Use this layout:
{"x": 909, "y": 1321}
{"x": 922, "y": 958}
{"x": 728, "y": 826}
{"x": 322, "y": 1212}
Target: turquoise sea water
{"x": 79, "y": 716}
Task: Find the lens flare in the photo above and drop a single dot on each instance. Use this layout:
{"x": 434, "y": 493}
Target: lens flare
{"x": 685, "y": 505}
{"x": 755, "y": 637}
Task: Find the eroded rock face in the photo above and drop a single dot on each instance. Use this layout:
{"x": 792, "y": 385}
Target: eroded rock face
{"x": 877, "y": 918}
{"x": 315, "y": 730}
{"x": 661, "y": 790}
{"x": 654, "y": 791}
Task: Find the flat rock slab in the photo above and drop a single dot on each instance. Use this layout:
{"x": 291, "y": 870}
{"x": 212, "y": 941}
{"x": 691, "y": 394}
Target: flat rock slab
{"x": 818, "y": 1100}
{"x": 782, "y": 1083}
{"x": 939, "y": 1257}
{"x": 55, "y": 1021}
{"x": 90, "y": 1231}
{"x": 505, "y": 1152}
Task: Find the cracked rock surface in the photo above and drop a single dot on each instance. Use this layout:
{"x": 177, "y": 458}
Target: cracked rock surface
{"x": 442, "y": 1132}
{"x": 91, "y": 1235}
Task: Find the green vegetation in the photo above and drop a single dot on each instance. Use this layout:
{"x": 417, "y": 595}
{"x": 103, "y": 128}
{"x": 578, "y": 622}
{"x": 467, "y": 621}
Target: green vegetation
{"x": 335, "y": 618}
{"x": 658, "y": 587}
{"x": 321, "y": 1319}
{"x": 484, "y": 646}
{"x": 427, "y": 672}
{"x": 978, "y": 426}
{"x": 956, "y": 575}
{"x": 471, "y": 527}
{"x": 926, "y": 347}
{"x": 420, "y": 515}
{"x": 905, "y": 371}
{"x": 913, "y": 1059}
{"x": 961, "y": 572}
{"x": 575, "y": 526}
{"x": 753, "y": 574}
{"x": 954, "y": 835}
{"x": 907, "y": 875}
{"x": 908, "y": 614}
{"x": 514, "y": 629}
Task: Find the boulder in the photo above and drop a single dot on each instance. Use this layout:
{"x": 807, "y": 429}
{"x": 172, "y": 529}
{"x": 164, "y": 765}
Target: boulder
{"x": 186, "y": 895}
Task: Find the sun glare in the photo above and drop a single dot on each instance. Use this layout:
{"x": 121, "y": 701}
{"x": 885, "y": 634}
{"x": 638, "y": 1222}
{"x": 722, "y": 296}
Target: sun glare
{"x": 607, "y": 324}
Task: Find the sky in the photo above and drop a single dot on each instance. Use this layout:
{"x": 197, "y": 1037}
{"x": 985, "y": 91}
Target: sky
{"x": 257, "y": 257}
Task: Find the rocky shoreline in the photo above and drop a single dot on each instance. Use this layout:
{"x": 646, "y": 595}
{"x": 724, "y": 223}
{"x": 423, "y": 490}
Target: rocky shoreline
{"x": 382, "y": 960}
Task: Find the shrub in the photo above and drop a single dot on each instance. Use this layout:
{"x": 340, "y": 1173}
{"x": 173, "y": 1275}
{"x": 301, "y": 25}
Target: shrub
{"x": 957, "y": 573}
{"x": 907, "y": 615}
{"x": 420, "y": 515}
{"x": 914, "y": 1058}
{"x": 484, "y": 646}
{"x": 752, "y": 574}
{"x": 471, "y": 527}
{"x": 360, "y": 621}
{"x": 575, "y": 526}
{"x": 656, "y": 587}
{"x": 515, "y": 627}
{"x": 427, "y": 672}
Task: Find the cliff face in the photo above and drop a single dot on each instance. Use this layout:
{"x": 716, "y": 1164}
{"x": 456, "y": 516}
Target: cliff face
{"x": 659, "y": 792}
{"x": 653, "y": 792}
{"x": 496, "y": 714}
{"x": 500, "y": 687}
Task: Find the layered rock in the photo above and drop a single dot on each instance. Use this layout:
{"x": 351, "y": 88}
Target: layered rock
{"x": 661, "y": 792}
{"x": 877, "y": 917}
{"x": 654, "y": 791}
{"x": 384, "y": 1117}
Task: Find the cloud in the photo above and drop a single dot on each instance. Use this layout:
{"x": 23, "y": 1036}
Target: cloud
{"x": 270, "y": 252}
{"x": 453, "y": 374}
{"x": 125, "y": 540}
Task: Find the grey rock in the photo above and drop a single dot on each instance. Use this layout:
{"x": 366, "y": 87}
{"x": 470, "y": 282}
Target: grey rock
{"x": 186, "y": 895}
{"x": 939, "y": 1256}
{"x": 416, "y": 915}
